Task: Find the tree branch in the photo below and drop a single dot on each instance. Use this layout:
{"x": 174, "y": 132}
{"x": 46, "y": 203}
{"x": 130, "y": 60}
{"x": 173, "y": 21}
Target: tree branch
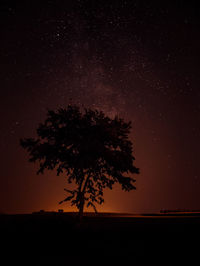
{"x": 86, "y": 181}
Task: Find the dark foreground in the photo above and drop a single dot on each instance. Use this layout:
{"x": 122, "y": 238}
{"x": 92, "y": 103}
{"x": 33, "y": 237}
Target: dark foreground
{"x": 58, "y": 239}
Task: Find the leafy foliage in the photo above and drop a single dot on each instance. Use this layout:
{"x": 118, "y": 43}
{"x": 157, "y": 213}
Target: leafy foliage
{"x": 93, "y": 150}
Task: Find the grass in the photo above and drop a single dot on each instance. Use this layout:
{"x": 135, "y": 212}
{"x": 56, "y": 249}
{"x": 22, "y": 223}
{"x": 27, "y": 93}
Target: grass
{"x": 59, "y": 239}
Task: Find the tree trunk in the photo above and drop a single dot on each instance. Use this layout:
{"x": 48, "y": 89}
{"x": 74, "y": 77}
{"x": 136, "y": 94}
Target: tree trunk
{"x": 82, "y": 201}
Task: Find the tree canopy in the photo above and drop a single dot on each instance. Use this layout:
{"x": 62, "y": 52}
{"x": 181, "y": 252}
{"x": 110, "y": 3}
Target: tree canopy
{"x": 90, "y": 148}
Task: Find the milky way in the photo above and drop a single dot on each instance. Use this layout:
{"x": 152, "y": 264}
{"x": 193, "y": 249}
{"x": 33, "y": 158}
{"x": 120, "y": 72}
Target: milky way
{"x": 136, "y": 59}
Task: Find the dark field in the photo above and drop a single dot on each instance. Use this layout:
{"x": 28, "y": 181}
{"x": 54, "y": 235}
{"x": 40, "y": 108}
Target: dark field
{"x": 58, "y": 239}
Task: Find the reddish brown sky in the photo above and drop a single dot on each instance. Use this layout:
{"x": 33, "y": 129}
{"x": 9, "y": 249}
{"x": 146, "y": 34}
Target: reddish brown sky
{"x": 139, "y": 59}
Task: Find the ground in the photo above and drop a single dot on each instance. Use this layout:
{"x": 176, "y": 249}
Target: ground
{"x": 59, "y": 239}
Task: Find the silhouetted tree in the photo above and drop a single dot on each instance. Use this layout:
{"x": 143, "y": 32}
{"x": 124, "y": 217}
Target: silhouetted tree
{"x": 92, "y": 149}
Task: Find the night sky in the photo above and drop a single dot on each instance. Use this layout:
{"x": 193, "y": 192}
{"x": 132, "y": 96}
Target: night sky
{"x": 138, "y": 59}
